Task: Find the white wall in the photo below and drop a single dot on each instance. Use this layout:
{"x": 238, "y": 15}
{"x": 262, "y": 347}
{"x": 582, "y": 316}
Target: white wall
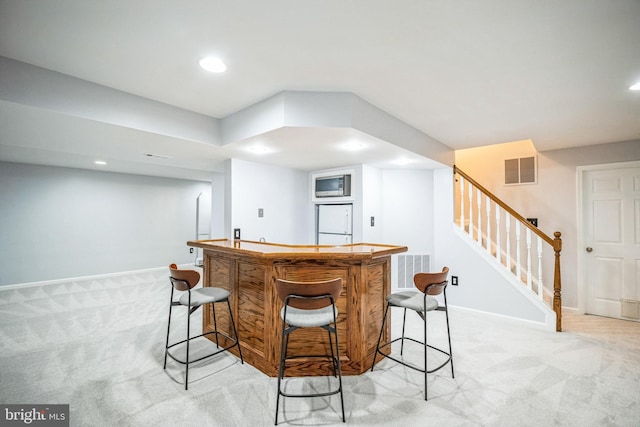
{"x": 408, "y": 209}
{"x": 553, "y": 200}
{"x": 62, "y": 223}
{"x": 372, "y": 205}
{"x": 218, "y": 195}
{"x": 282, "y": 193}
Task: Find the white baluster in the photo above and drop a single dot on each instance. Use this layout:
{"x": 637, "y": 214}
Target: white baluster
{"x": 471, "y": 210}
{"x": 507, "y": 218}
{"x": 498, "y": 254}
{"x": 518, "y": 266}
{"x": 540, "y": 287}
{"x": 461, "y": 201}
{"x": 528, "y": 258}
{"x": 488, "y": 202}
{"x": 479, "y": 202}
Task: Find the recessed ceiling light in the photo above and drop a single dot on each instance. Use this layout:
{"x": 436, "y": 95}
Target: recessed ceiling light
{"x": 212, "y": 64}
{"x": 353, "y": 146}
{"x": 100, "y": 162}
{"x": 635, "y": 86}
{"x": 259, "y": 149}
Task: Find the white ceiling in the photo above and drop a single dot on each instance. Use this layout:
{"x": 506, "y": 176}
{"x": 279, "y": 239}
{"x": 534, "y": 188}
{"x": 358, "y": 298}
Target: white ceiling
{"x": 467, "y": 73}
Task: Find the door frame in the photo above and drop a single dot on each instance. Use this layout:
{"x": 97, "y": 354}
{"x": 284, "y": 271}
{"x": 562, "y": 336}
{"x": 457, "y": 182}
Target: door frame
{"x": 581, "y": 256}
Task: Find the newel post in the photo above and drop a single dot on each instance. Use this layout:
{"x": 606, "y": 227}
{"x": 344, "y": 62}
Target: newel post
{"x": 557, "y": 282}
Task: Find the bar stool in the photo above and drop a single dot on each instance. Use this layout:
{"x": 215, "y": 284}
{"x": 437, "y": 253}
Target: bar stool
{"x": 185, "y": 280}
{"x": 429, "y": 285}
{"x": 306, "y": 305}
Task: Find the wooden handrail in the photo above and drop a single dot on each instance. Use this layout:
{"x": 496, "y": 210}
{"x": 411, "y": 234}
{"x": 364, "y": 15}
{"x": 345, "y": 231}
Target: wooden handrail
{"x": 504, "y": 206}
{"x": 555, "y": 242}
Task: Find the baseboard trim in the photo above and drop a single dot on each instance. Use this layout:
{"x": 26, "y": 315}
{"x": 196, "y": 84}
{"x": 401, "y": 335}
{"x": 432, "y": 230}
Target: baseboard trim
{"x": 514, "y": 320}
{"x": 83, "y": 278}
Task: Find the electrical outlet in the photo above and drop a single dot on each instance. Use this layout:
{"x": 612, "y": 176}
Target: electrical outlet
{"x": 373, "y": 221}
{"x": 454, "y": 280}
{"x": 190, "y": 250}
{"x": 236, "y": 234}
{"x": 260, "y": 212}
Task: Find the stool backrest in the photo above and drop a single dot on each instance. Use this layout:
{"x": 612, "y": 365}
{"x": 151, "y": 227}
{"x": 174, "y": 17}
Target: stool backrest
{"x": 285, "y": 288}
{"x": 183, "y": 280}
{"x": 431, "y": 283}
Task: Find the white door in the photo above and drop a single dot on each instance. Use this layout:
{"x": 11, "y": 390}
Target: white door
{"x": 611, "y": 219}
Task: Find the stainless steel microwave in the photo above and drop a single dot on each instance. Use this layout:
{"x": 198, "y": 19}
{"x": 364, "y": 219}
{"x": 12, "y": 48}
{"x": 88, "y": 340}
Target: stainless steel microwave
{"x": 333, "y": 186}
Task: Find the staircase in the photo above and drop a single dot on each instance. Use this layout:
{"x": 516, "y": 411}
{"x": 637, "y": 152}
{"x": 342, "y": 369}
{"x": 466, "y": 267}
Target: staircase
{"x": 530, "y": 256}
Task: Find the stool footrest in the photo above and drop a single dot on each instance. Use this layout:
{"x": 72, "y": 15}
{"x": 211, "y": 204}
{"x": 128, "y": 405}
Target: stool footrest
{"x": 301, "y": 356}
{"x": 327, "y": 393}
{"x": 220, "y": 350}
{"x": 410, "y": 365}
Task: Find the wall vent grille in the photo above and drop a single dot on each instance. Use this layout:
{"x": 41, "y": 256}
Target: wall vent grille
{"x": 409, "y": 265}
{"x": 520, "y": 171}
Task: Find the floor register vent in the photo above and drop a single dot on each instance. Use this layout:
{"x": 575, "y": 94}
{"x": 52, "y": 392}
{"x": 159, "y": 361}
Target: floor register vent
{"x": 409, "y": 265}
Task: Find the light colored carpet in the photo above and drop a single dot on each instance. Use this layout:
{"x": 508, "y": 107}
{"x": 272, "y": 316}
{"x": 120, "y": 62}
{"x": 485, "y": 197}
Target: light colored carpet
{"x": 98, "y": 346}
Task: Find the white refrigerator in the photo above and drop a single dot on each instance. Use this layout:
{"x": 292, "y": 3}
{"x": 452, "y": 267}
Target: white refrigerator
{"x": 334, "y": 224}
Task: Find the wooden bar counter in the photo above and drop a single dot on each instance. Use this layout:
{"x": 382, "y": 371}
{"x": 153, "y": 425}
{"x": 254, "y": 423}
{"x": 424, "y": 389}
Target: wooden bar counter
{"x": 249, "y": 270}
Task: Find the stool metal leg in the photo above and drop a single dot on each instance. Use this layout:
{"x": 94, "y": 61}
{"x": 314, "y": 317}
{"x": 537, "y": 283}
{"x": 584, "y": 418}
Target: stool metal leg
{"x": 215, "y": 323}
{"x": 333, "y": 359}
{"x": 404, "y": 321}
{"x": 446, "y": 315}
{"x": 166, "y": 347}
{"x": 337, "y": 360}
{"x": 426, "y": 370}
{"x": 384, "y": 318}
{"x": 235, "y": 331}
{"x": 186, "y": 375}
{"x": 284, "y": 341}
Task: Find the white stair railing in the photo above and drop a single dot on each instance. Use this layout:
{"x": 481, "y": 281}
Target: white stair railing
{"x": 493, "y": 241}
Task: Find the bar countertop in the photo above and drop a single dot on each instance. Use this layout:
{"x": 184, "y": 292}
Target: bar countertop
{"x": 276, "y": 250}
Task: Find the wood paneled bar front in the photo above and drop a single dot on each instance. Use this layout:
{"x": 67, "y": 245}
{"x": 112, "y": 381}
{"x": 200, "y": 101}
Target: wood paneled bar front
{"x": 249, "y": 270}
